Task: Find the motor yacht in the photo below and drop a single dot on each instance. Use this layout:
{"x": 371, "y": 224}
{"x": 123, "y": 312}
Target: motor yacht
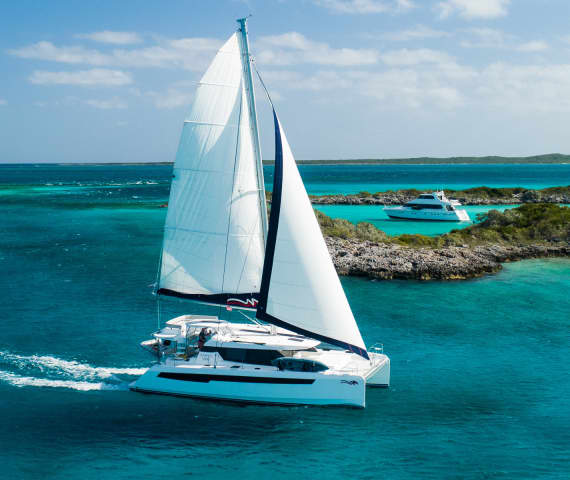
{"x": 433, "y": 206}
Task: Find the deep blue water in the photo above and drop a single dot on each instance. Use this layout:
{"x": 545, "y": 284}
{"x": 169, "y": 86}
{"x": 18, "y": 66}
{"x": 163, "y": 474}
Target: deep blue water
{"x": 480, "y": 383}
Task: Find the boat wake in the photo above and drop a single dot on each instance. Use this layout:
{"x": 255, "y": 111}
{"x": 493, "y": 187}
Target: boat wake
{"x": 50, "y": 371}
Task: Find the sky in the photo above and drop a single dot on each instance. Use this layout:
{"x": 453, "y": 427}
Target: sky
{"x": 112, "y": 81}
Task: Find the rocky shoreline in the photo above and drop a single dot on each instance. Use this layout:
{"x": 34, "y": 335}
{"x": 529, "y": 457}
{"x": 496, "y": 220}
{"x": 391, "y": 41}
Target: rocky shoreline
{"x": 480, "y": 196}
{"x": 390, "y": 261}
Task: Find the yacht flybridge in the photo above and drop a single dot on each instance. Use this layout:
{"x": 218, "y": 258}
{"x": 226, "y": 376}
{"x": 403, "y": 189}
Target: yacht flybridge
{"x": 433, "y": 206}
{"x": 303, "y": 346}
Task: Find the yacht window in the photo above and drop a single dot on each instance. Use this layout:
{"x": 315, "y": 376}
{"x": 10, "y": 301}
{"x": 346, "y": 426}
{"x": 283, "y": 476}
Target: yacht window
{"x": 422, "y": 206}
{"x": 426, "y": 197}
{"x": 299, "y": 365}
{"x": 245, "y": 355}
{"x": 450, "y": 208}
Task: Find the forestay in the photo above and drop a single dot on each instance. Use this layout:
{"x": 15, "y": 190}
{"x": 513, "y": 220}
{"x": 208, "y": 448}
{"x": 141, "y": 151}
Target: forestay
{"x": 213, "y": 245}
{"x": 300, "y": 289}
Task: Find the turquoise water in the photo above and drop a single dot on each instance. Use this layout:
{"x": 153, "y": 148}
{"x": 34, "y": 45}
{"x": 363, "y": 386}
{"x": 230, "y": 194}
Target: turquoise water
{"x": 480, "y": 384}
{"x": 318, "y": 179}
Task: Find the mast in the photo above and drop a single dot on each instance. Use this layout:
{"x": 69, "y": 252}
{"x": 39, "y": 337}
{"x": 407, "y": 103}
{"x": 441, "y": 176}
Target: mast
{"x": 250, "y": 95}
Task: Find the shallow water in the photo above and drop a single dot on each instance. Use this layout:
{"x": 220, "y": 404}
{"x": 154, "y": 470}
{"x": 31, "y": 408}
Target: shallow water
{"x": 375, "y": 215}
{"x": 480, "y": 384}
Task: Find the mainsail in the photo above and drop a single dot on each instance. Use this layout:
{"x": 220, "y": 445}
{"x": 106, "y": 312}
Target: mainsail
{"x": 300, "y": 289}
{"x": 214, "y": 244}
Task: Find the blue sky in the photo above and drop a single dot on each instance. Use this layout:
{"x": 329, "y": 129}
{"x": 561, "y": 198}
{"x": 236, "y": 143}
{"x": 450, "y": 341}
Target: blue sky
{"x": 111, "y": 81}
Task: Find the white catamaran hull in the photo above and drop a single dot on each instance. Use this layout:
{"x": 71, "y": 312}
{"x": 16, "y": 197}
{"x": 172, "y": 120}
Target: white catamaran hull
{"x": 264, "y": 385}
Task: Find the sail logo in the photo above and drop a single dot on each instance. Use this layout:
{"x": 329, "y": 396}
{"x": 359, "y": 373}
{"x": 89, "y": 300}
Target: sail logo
{"x": 249, "y": 302}
{"x": 349, "y": 382}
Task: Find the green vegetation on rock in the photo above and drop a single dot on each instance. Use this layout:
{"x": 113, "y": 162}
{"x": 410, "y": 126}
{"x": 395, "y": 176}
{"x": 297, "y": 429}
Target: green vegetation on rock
{"x": 339, "y": 227}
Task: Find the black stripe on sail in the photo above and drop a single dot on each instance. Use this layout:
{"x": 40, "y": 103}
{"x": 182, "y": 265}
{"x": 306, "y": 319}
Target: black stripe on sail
{"x": 273, "y": 220}
{"x": 261, "y": 313}
{"x": 241, "y": 300}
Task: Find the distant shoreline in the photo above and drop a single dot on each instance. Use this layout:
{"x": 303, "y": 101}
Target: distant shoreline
{"x": 470, "y": 196}
{"x": 547, "y": 159}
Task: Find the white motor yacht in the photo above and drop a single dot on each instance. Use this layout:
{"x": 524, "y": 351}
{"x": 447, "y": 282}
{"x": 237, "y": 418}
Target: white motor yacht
{"x": 433, "y": 206}
{"x": 304, "y": 345}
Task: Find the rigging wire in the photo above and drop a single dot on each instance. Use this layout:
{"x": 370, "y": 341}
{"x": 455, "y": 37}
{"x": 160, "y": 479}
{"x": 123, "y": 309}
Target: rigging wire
{"x": 233, "y": 186}
{"x": 262, "y": 82}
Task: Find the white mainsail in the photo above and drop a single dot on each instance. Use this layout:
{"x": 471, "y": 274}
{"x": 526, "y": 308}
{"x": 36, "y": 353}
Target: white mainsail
{"x": 300, "y": 289}
{"x": 213, "y": 245}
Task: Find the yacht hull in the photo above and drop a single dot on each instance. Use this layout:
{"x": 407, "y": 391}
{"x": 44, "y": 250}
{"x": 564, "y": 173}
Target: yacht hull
{"x": 399, "y": 213}
{"x": 379, "y": 375}
{"x": 261, "y": 385}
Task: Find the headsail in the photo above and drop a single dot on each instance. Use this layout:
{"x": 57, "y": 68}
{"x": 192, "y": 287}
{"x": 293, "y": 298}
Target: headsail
{"x": 300, "y": 289}
{"x": 213, "y": 245}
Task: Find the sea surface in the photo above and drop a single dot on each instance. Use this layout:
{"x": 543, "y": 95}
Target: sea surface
{"x": 480, "y": 377}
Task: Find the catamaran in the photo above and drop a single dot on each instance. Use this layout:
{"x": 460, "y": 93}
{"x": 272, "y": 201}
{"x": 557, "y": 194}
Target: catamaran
{"x": 303, "y": 347}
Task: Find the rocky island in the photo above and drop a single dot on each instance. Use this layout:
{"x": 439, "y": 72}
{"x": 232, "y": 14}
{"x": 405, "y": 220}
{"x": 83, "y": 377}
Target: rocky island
{"x": 470, "y": 196}
{"x": 529, "y": 231}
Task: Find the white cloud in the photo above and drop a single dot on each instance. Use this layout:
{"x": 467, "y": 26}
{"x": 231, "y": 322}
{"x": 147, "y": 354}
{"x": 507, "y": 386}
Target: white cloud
{"x": 408, "y": 57}
{"x": 534, "y": 46}
{"x": 294, "y": 48}
{"x": 49, "y": 52}
{"x": 473, "y": 9}
{"x": 487, "y": 38}
{"x": 186, "y": 53}
{"x": 173, "y": 98}
{"x": 84, "y": 78}
{"x": 318, "y": 81}
{"x": 418, "y": 32}
{"x": 177, "y": 95}
{"x": 115, "y": 38}
{"x": 536, "y": 88}
{"x": 110, "y": 104}
{"x": 393, "y": 88}
{"x": 411, "y": 89}
{"x": 365, "y": 6}
{"x": 491, "y": 38}
{"x": 433, "y": 80}
{"x": 3, "y": 102}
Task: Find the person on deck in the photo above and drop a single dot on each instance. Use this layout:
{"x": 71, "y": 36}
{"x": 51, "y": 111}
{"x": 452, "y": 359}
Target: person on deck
{"x": 202, "y": 338}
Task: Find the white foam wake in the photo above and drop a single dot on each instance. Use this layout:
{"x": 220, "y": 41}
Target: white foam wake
{"x": 19, "y": 381}
{"x": 70, "y": 367}
{"x": 62, "y": 373}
